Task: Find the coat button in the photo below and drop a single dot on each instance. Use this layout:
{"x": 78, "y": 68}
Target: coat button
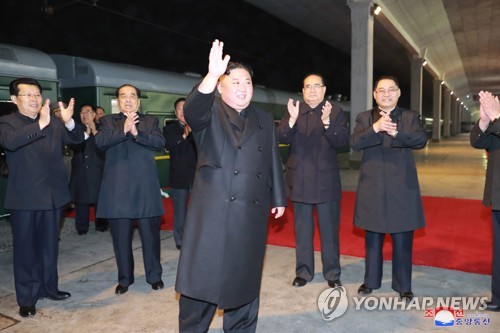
{"x": 239, "y": 147}
{"x": 256, "y": 201}
{"x": 259, "y": 149}
{"x": 260, "y": 126}
{"x": 232, "y": 198}
{"x": 236, "y": 172}
{"x": 259, "y": 175}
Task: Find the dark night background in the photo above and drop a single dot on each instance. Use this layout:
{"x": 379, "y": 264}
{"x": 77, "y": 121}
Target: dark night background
{"x": 176, "y": 35}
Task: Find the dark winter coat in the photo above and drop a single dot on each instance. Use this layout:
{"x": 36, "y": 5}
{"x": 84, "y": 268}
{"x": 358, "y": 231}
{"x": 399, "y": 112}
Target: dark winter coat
{"x": 236, "y": 184}
{"x": 130, "y": 187}
{"x": 86, "y": 171}
{"x": 388, "y": 197}
{"x": 312, "y": 173}
{"x": 38, "y": 178}
{"x": 489, "y": 140}
{"x": 182, "y": 156}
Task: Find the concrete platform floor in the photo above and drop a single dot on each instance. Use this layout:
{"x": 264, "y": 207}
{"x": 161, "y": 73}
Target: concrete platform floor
{"x": 87, "y": 269}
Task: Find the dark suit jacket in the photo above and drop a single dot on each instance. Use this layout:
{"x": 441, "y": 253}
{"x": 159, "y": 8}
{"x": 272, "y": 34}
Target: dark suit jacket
{"x": 489, "y": 140}
{"x": 182, "y": 156}
{"x": 312, "y": 173}
{"x": 130, "y": 187}
{"x": 38, "y": 178}
{"x": 236, "y": 184}
{"x": 86, "y": 171}
{"x": 388, "y": 197}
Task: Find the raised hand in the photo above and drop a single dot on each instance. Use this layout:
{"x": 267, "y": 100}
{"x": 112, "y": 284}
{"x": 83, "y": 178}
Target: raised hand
{"x": 67, "y": 113}
{"x": 326, "y": 111}
{"x": 384, "y": 124}
{"x": 216, "y": 67}
{"x": 490, "y": 105}
{"x": 293, "y": 111}
{"x": 44, "y": 119}
{"x": 129, "y": 125}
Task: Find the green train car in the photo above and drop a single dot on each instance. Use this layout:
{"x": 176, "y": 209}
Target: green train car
{"x": 94, "y": 82}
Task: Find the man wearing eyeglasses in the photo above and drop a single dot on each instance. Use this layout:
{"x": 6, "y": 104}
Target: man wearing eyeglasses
{"x": 315, "y": 130}
{"x": 388, "y": 197}
{"x": 37, "y": 189}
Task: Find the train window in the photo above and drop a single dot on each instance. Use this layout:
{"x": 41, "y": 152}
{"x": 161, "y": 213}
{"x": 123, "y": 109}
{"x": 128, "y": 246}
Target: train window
{"x": 167, "y": 121}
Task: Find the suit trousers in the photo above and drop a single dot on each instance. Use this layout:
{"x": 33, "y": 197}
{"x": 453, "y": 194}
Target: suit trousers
{"x": 328, "y": 221}
{"x": 122, "y": 233}
{"x": 82, "y": 218}
{"x": 195, "y": 316}
{"x": 179, "y": 201}
{"x": 495, "y": 270}
{"x": 35, "y": 246}
{"x": 402, "y": 244}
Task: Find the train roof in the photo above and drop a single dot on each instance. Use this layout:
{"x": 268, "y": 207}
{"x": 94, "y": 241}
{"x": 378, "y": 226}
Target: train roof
{"x": 74, "y": 72}
{"x": 18, "y": 61}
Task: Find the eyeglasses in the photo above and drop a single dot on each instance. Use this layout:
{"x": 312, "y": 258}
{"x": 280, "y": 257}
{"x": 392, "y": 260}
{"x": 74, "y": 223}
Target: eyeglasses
{"x": 391, "y": 91}
{"x": 29, "y": 96}
{"x": 313, "y": 86}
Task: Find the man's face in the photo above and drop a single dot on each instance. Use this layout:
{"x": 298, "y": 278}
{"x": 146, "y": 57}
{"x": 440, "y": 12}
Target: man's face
{"x": 386, "y": 94}
{"x": 128, "y": 101}
{"x": 179, "y": 112}
{"x": 87, "y": 115}
{"x": 236, "y": 89}
{"x": 313, "y": 90}
{"x": 29, "y": 100}
{"x": 99, "y": 113}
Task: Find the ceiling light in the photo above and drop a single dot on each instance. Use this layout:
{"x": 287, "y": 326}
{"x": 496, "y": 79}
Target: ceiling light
{"x": 376, "y": 9}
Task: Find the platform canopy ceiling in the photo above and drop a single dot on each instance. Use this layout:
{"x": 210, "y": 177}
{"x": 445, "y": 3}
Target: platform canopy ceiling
{"x": 460, "y": 39}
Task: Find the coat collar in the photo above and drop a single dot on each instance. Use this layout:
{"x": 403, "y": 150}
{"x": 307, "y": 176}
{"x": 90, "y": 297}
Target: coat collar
{"x": 251, "y": 123}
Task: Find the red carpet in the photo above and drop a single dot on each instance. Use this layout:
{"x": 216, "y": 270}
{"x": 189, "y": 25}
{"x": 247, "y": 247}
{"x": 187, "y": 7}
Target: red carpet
{"x": 458, "y": 234}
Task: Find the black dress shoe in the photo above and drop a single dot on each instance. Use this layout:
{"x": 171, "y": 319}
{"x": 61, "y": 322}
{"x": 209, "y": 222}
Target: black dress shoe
{"x": 299, "y": 282}
{"x": 157, "y": 285}
{"x": 364, "y": 290}
{"x": 61, "y": 295}
{"x": 101, "y": 229}
{"x": 178, "y": 247}
{"x": 492, "y": 307}
{"x": 121, "y": 289}
{"x": 407, "y": 296}
{"x": 334, "y": 283}
{"x": 82, "y": 232}
{"x": 26, "y": 311}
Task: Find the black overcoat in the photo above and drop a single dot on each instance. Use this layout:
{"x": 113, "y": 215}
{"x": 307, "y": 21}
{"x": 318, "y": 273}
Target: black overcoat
{"x": 236, "y": 184}
{"x": 312, "y": 173}
{"x": 130, "y": 187}
{"x": 388, "y": 197}
{"x": 182, "y": 156}
{"x": 86, "y": 171}
{"x": 489, "y": 140}
{"x": 38, "y": 178}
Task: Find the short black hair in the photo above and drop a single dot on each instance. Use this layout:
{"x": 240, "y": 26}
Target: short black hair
{"x": 137, "y": 91}
{"x": 14, "y": 85}
{"x": 177, "y": 101}
{"x": 91, "y": 106}
{"x": 385, "y": 77}
{"x": 234, "y": 65}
